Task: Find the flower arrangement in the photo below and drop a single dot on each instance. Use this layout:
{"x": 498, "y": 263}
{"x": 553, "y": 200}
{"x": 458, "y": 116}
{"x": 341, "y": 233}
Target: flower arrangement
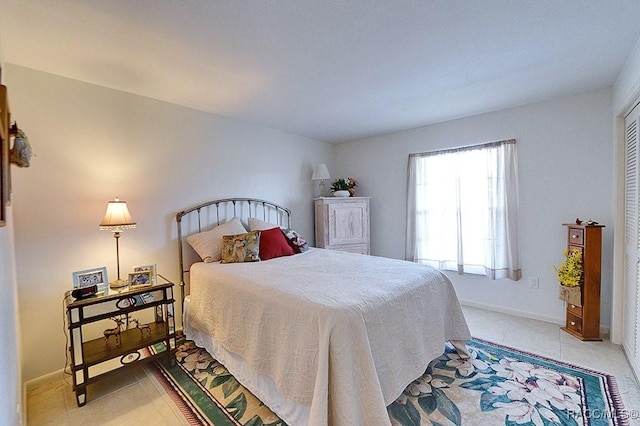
{"x": 570, "y": 271}
{"x": 344, "y": 184}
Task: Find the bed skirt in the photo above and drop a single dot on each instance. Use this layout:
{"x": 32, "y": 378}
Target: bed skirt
{"x": 261, "y": 385}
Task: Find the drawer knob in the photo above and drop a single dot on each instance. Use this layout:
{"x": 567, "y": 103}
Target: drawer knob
{"x": 573, "y": 323}
{"x": 573, "y": 306}
{"x": 574, "y": 236}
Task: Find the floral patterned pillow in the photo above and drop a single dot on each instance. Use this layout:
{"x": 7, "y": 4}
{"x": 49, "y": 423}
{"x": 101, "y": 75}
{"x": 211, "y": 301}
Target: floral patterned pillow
{"x": 241, "y": 247}
{"x": 208, "y": 244}
{"x": 297, "y": 243}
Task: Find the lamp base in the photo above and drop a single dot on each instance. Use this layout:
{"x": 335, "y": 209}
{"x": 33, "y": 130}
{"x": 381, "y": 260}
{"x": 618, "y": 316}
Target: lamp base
{"x": 322, "y": 190}
{"x": 118, "y": 283}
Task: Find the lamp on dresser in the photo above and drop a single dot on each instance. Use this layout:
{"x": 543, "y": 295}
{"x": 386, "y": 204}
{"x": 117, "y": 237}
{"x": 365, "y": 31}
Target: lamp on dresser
{"x": 320, "y": 172}
{"x": 117, "y": 219}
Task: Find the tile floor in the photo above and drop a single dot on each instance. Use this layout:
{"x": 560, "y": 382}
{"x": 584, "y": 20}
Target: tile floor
{"x": 133, "y": 398}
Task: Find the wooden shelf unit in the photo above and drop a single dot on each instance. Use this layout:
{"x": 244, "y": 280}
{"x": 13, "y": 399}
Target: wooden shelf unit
{"x": 583, "y": 321}
{"x": 95, "y": 359}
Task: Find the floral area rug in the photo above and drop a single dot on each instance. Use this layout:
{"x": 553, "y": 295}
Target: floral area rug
{"x": 498, "y": 386}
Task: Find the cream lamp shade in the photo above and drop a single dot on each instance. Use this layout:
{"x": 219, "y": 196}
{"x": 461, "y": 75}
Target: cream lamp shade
{"x": 320, "y": 172}
{"x": 117, "y": 217}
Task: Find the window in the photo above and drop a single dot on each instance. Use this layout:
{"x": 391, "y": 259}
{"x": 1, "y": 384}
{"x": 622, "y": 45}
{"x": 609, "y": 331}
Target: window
{"x": 462, "y": 210}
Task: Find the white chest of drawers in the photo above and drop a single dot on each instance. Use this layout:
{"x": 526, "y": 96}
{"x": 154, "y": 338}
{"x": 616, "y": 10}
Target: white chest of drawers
{"x": 342, "y": 223}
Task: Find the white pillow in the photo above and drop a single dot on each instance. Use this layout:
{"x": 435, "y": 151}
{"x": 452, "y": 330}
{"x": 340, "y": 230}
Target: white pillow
{"x": 260, "y": 225}
{"x": 208, "y": 244}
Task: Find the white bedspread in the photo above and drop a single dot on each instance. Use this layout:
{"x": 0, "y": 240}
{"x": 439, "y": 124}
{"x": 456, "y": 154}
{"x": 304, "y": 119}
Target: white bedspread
{"x": 343, "y": 333}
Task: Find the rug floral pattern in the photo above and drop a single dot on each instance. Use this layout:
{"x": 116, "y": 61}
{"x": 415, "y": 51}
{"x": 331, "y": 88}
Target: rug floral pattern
{"x": 496, "y": 386}
{"x": 504, "y": 390}
{"x": 237, "y": 401}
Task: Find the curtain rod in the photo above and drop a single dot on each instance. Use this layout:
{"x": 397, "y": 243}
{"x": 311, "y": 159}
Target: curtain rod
{"x": 464, "y": 148}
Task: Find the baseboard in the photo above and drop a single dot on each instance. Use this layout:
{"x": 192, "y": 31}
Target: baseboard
{"x": 23, "y": 407}
{"x": 635, "y": 367}
{"x": 524, "y": 314}
{"x": 44, "y": 380}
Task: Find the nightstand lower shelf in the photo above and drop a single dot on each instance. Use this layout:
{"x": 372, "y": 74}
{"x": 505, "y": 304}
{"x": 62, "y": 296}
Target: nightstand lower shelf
{"x": 107, "y": 368}
{"x": 96, "y": 351}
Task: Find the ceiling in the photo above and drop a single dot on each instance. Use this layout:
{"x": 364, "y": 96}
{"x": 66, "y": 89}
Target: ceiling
{"x": 327, "y": 69}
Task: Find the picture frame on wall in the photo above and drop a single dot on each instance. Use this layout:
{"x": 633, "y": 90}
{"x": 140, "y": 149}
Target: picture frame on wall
{"x": 88, "y": 277}
{"x": 148, "y": 267}
{"x": 5, "y": 116}
{"x": 140, "y": 279}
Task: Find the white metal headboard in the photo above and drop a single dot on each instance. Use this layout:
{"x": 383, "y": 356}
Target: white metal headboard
{"x": 212, "y": 213}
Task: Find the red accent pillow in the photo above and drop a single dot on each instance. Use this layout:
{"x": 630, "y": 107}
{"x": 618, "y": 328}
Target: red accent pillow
{"x": 274, "y": 244}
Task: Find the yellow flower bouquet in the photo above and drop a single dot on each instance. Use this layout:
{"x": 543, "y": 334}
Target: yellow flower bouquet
{"x": 570, "y": 271}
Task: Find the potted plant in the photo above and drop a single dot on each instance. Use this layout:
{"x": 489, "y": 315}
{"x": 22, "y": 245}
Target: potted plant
{"x": 344, "y": 187}
{"x": 570, "y": 276}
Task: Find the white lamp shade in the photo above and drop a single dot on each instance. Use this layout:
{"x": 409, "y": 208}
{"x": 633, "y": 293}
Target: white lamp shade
{"x": 320, "y": 172}
{"x": 117, "y": 217}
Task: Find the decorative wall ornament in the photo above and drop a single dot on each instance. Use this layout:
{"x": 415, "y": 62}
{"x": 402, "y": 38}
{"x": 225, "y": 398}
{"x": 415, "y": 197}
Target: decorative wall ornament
{"x": 20, "y": 153}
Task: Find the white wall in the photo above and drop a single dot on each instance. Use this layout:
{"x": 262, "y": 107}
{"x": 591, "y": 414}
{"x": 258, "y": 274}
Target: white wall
{"x": 565, "y": 161}
{"x": 626, "y": 93}
{"x": 627, "y": 86}
{"x": 11, "y": 408}
{"x": 92, "y": 144}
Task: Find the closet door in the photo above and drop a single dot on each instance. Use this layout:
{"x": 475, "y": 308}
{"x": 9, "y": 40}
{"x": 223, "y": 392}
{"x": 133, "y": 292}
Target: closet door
{"x": 631, "y": 319}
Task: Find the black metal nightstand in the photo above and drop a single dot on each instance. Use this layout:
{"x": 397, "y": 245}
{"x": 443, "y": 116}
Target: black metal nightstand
{"x": 113, "y": 350}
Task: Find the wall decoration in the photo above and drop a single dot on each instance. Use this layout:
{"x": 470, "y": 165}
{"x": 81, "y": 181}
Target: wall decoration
{"x": 4, "y": 153}
{"x": 20, "y": 153}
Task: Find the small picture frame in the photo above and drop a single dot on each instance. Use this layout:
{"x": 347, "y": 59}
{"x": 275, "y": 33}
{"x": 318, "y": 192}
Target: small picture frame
{"x": 148, "y": 267}
{"x": 89, "y": 277}
{"x": 140, "y": 279}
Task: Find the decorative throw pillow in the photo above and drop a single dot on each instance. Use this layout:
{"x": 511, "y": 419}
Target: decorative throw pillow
{"x": 208, "y": 244}
{"x": 274, "y": 244}
{"x": 241, "y": 248}
{"x": 297, "y": 243}
{"x": 260, "y": 225}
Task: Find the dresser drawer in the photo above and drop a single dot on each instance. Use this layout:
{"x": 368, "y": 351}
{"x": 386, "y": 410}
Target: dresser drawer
{"x": 574, "y": 310}
{"x": 576, "y": 236}
{"x": 574, "y": 323}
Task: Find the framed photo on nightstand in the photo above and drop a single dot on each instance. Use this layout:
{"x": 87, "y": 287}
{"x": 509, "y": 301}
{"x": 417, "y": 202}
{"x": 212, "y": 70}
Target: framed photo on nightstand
{"x": 148, "y": 267}
{"x": 140, "y": 279}
{"x": 89, "y": 277}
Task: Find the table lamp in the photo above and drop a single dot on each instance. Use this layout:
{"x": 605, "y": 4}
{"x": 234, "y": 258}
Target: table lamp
{"x": 117, "y": 219}
{"x": 320, "y": 172}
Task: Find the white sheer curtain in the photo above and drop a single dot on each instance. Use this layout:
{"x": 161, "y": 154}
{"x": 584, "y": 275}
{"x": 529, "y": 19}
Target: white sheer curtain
{"x": 462, "y": 210}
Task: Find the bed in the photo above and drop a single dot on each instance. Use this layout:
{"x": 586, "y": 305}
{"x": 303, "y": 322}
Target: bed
{"x": 321, "y": 337}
